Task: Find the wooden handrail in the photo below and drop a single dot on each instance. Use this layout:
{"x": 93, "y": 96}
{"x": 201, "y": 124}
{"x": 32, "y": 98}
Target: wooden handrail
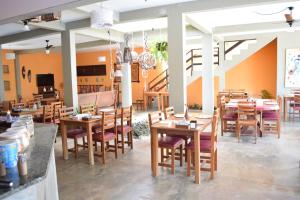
{"x": 234, "y": 46}
{"x": 165, "y": 71}
{"x": 159, "y": 82}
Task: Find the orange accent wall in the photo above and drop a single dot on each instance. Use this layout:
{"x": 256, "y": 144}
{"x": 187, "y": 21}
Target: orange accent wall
{"x": 40, "y": 63}
{"x": 11, "y": 94}
{"x": 256, "y": 73}
{"x": 194, "y": 91}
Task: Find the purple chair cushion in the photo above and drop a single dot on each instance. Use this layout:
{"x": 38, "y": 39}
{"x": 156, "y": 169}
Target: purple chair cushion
{"x": 169, "y": 141}
{"x": 76, "y": 133}
{"x": 270, "y": 116}
{"x": 205, "y": 146}
{"x": 126, "y": 129}
{"x": 230, "y": 116}
{"x": 107, "y": 136}
{"x": 205, "y": 136}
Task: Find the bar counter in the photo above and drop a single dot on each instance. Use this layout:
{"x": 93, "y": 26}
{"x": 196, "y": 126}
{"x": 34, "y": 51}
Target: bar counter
{"x": 41, "y": 181}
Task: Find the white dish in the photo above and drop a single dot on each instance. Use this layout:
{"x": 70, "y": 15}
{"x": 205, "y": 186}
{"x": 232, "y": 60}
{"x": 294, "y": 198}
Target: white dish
{"x": 179, "y": 115}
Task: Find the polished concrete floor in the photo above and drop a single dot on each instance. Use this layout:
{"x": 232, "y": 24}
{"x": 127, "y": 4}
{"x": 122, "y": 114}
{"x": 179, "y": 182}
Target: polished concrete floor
{"x": 266, "y": 170}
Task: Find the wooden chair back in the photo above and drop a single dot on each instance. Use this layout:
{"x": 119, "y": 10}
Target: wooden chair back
{"x": 169, "y": 112}
{"x": 65, "y": 111}
{"x": 18, "y": 105}
{"x": 237, "y": 95}
{"x": 296, "y": 100}
{"x": 246, "y": 111}
{"x": 126, "y": 116}
{"x": 155, "y": 117}
{"x": 38, "y": 97}
{"x": 279, "y": 101}
{"x": 87, "y": 108}
{"x": 56, "y": 106}
{"x": 47, "y": 113}
{"x": 214, "y": 131}
{"x": 31, "y": 103}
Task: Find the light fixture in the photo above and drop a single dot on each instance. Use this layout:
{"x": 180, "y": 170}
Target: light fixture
{"x": 102, "y": 18}
{"x": 127, "y": 58}
{"x": 48, "y": 47}
{"x": 47, "y": 51}
{"x": 26, "y": 26}
{"x": 101, "y": 59}
{"x": 146, "y": 59}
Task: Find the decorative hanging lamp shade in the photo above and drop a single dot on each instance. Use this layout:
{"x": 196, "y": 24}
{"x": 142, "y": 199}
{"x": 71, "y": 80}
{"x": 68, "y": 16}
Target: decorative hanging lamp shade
{"x": 102, "y": 18}
{"x": 146, "y": 60}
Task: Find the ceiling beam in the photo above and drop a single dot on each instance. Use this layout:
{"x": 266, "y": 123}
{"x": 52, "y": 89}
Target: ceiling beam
{"x": 116, "y": 36}
{"x": 189, "y": 7}
{"x": 265, "y": 27}
{"x": 54, "y": 25}
{"x": 25, "y": 35}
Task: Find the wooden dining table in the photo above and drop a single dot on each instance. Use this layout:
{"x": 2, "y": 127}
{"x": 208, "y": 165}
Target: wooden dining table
{"x": 161, "y": 96}
{"x": 87, "y": 124}
{"x": 169, "y": 127}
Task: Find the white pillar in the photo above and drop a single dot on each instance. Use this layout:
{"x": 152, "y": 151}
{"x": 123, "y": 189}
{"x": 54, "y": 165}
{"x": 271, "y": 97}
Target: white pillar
{"x": 1, "y": 76}
{"x": 126, "y": 85}
{"x": 176, "y": 61}
{"x": 222, "y": 84}
{"x": 18, "y": 76}
{"x": 69, "y": 68}
{"x": 207, "y": 74}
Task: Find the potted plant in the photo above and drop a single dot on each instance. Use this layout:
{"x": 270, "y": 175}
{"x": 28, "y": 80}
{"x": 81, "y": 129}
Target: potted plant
{"x": 160, "y": 51}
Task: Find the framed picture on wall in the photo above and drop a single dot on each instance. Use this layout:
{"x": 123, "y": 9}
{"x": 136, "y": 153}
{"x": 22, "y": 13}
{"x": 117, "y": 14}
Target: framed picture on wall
{"x": 135, "y": 76}
{"x": 292, "y": 68}
{"x": 5, "y": 69}
{"x": 6, "y": 85}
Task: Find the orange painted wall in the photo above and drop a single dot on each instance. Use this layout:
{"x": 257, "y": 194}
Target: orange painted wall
{"x": 194, "y": 91}
{"x": 256, "y": 73}
{"x": 11, "y": 94}
{"x": 40, "y": 63}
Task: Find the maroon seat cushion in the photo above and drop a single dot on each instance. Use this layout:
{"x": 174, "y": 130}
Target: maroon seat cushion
{"x": 205, "y": 146}
{"x": 126, "y": 129}
{"x": 107, "y": 136}
{"x": 169, "y": 141}
{"x": 205, "y": 136}
{"x": 76, "y": 133}
{"x": 270, "y": 116}
{"x": 230, "y": 116}
{"x": 95, "y": 128}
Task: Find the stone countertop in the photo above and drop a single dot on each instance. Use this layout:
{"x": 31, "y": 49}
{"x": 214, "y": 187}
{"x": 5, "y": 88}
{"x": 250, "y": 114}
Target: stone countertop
{"x": 38, "y": 156}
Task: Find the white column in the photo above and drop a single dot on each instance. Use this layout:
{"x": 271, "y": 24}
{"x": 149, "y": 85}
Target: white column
{"x": 69, "y": 68}
{"x": 176, "y": 61}
{"x": 1, "y": 76}
{"x": 18, "y": 75}
{"x": 126, "y": 85}
{"x": 222, "y": 84}
{"x": 207, "y": 74}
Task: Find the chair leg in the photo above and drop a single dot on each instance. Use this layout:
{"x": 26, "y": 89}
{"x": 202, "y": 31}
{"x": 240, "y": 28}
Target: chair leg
{"x": 238, "y": 130}
{"x": 96, "y": 148}
{"x": 222, "y": 127}
{"x": 212, "y": 164}
{"x": 173, "y": 161}
{"x": 76, "y": 147}
{"x": 216, "y": 160}
{"x": 180, "y": 149}
{"x": 83, "y": 142}
{"x": 278, "y": 129}
{"x": 257, "y": 129}
{"x": 162, "y": 155}
{"x": 103, "y": 151}
{"x": 131, "y": 139}
{"x": 122, "y": 142}
{"x": 188, "y": 166}
{"x": 185, "y": 145}
{"x": 116, "y": 148}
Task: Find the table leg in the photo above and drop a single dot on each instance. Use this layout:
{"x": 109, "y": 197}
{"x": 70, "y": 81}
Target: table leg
{"x": 260, "y": 123}
{"x": 158, "y": 102}
{"x": 154, "y": 149}
{"x": 90, "y": 143}
{"x": 162, "y": 102}
{"x": 145, "y": 102}
{"x": 285, "y": 108}
{"x": 63, "y": 129}
{"x": 197, "y": 157}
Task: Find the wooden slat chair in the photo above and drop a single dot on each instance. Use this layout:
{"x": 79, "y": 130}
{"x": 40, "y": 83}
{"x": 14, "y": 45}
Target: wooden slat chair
{"x": 107, "y": 132}
{"x": 167, "y": 143}
{"x": 18, "y": 105}
{"x": 247, "y": 117}
{"x": 228, "y": 118}
{"x": 88, "y": 108}
{"x": 271, "y": 120}
{"x": 38, "y": 97}
{"x": 56, "y": 106}
{"x": 237, "y": 95}
{"x": 125, "y": 128}
{"x": 296, "y": 105}
{"x": 226, "y": 95}
{"x": 208, "y": 148}
{"x": 31, "y": 103}
{"x": 47, "y": 114}
{"x": 74, "y": 133}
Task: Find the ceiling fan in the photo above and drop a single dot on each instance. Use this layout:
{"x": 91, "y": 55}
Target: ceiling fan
{"x": 48, "y": 47}
{"x": 289, "y": 17}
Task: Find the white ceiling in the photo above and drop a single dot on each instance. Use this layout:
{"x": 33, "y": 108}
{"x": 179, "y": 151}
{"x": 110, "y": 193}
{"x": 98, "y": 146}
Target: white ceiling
{"x": 127, "y": 5}
{"x": 247, "y": 15}
{"x": 148, "y": 24}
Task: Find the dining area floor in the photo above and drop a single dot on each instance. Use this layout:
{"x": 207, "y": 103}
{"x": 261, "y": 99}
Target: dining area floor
{"x": 269, "y": 169}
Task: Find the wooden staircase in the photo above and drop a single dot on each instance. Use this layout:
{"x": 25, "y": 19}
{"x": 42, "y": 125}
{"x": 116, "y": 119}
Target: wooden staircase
{"x": 160, "y": 82}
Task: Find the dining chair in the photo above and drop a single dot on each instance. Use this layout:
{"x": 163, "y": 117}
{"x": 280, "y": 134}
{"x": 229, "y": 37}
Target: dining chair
{"x": 106, "y": 132}
{"x": 74, "y": 133}
{"x": 87, "y": 108}
{"x": 271, "y": 119}
{"x": 38, "y": 97}
{"x": 125, "y": 129}
{"x": 47, "y": 114}
{"x": 169, "y": 112}
{"x": 237, "y": 95}
{"x": 56, "y": 106}
{"x": 247, "y": 117}
{"x": 208, "y": 148}
{"x": 31, "y": 103}
{"x": 168, "y": 143}
{"x": 228, "y": 117}
{"x": 19, "y": 105}
{"x": 296, "y": 105}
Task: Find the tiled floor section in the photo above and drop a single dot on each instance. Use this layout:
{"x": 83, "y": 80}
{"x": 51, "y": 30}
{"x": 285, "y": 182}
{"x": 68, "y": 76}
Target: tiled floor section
{"x": 266, "y": 170}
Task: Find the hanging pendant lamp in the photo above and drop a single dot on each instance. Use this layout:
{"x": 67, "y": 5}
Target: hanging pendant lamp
{"x": 146, "y": 59}
{"x": 102, "y": 18}
{"x": 127, "y": 51}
